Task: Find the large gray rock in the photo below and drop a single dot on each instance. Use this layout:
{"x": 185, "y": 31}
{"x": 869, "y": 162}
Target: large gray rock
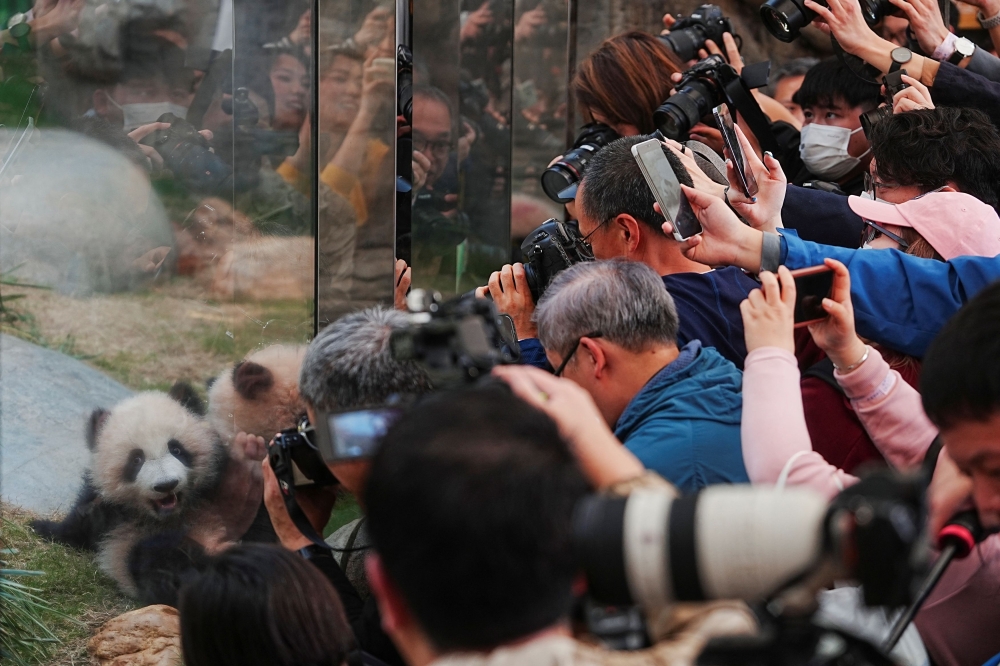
{"x": 45, "y": 401}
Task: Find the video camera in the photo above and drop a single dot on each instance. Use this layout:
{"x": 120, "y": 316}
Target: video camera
{"x": 551, "y": 248}
{"x": 893, "y": 82}
{"x": 568, "y": 171}
{"x": 785, "y": 18}
{"x": 689, "y": 33}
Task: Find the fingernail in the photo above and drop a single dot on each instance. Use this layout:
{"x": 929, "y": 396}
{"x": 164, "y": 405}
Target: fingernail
{"x": 769, "y": 154}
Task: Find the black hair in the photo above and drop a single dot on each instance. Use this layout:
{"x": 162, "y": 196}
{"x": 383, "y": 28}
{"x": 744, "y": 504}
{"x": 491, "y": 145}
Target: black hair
{"x": 933, "y": 147}
{"x": 960, "y": 378}
{"x": 261, "y": 605}
{"x": 470, "y": 502}
{"x": 830, "y": 82}
{"x": 613, "y": 184}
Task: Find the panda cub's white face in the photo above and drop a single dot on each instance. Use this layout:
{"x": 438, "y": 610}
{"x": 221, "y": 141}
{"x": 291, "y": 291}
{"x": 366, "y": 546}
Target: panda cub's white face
{"x": 152, "y": 455}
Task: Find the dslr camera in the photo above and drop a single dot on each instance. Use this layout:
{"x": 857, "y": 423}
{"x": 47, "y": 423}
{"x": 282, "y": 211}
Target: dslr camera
{"x": 549, "y": 249}
{"x": 893, "y": 82}
{"x": 567, "y": 172}
{"x": 785, "y": 18}
{"x": 688, "y": 34}
{"x": 188, "y": 155}
{"x": 706, "y": 85}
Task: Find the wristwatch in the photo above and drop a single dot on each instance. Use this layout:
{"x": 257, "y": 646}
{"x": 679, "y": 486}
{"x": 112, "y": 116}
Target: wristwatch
{"x": 963, "y": 49}
{"x": 988, "y": 23}
{"x": 900, "y": 56}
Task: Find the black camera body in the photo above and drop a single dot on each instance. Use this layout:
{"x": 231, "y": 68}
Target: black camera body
{"x": 785, "y": 18}
{"x": 702, "y": 88}
{"x": 188, "y": 155}
{"x": 893, "y": 82}
{"x": 457, "y": 341}
{"x": 570, "y": 169}
{"x": 689, "y": 33}
{"x": 296, "y": 461}
{"x": 549, "y": 249}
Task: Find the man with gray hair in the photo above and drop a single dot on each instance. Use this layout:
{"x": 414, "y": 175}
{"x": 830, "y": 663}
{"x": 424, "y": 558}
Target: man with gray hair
{"x": 348, "y": 364}
{"x": 611, "y": 327}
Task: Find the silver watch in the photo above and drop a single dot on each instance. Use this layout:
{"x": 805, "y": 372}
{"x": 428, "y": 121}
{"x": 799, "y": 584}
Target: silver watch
{"x": 988, "y": 23}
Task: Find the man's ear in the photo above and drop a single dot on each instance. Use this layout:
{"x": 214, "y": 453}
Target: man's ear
{"x": 950, "y": 187}
{"x": 394, "y": 612}
{"x": 630, "y": 231}
{"x": 594, "y": 353}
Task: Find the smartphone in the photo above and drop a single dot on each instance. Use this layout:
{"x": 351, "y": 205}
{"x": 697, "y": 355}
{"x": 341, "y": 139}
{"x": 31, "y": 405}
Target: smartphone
{"x": 354, "y": 434}
{"x": 666, "y": 188}
{"x": 812, "y": 285}
{"x": 740, "y": 165}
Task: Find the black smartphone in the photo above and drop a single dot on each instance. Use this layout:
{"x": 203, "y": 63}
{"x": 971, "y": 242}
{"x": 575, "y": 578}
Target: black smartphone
{"x": 354, "y": 434}
{"x": 743, "y": 172}
{"x": 666, "y": 189}
{"x": 812, "y": 285}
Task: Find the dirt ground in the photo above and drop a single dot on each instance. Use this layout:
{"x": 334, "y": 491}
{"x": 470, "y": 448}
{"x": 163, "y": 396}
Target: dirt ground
{"x": 149, "y": 340}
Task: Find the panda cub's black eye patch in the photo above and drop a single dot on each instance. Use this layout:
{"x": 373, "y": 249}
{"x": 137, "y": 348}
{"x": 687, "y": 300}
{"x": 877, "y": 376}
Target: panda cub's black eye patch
{"x": 136, "y": 458}
{"x": 178, "y": 451}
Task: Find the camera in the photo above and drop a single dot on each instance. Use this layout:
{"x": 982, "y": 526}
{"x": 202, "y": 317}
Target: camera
{"x": 242, "y": 143}
{"x": 549, "y": 249}
{"x": 893, "y": 82}
{"x": 188, "y": 155}
{"x": 570, "y": 169}
{"x": 295, "y": 459}
{"x": 404, "y": 83}
{"x": 688, "y": 34}
{"x": 785, "y": 18}
{"x": 456, "y": 341}
{"x": 702, "y": 88}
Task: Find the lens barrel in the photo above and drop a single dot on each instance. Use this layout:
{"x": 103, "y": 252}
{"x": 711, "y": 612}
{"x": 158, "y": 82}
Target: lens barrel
{"x": 684, "y": 109}
{"x": 686, "y": 42}
{"x": 785, "y": 18}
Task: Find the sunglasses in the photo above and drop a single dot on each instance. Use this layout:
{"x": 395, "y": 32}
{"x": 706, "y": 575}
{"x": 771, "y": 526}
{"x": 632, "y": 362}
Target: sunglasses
{"x": 576, "y": 345}
{"x": 871, "y": 231}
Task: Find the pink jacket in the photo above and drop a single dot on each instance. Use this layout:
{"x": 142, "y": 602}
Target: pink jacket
{"x": 776, "y": 445}
{"x": 958, "y": 621}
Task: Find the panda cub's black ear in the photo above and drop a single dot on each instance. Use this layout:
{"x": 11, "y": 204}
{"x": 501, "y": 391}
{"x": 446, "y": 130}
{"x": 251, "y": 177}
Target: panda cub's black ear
{"x": 251, "y": 379}
{"x": 94, "y": 425}
{"x": 185, "y": 394}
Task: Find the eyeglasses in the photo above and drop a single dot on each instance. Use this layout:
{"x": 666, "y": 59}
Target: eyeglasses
{"x": 872, "y": 186}
{"x": 422, "y": 145}
{"x": 871, "y": 231}
{"x": 576, "y": 345}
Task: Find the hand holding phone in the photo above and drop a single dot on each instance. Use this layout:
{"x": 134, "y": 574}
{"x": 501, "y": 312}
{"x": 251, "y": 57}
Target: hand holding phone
{"x": 744, "y": 174}
{"x": 812, "y": 285}
{"x": 835, "y": 334}
{"x": 666, "y": 188}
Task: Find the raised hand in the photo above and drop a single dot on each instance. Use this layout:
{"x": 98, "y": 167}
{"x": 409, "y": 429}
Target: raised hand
{"x": 769, "y": 312}
{"x": 763, "y": 211}
{"x": 836, "y": 335}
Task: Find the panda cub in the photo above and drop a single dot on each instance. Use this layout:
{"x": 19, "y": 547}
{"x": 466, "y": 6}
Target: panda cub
{"x": 154, "y": 464}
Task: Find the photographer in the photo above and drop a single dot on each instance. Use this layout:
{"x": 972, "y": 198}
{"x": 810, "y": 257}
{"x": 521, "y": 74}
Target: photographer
{"x": 348, "y": 364}
{"x": 612, "y": 328}
{"x": 470, "y": 501}
{"x": 616, "y": 216}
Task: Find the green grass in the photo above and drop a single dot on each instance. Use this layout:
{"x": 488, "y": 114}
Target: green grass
{"x": 82, "y": 597}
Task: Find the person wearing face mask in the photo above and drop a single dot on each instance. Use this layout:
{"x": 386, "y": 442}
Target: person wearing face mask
{"x": 153, "y": 81}
{"x": 916, "y": 152}
{"x": 832, "y": 145}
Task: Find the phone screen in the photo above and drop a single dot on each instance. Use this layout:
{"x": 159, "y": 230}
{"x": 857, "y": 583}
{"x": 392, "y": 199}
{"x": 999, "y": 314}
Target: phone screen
{"x": 743, "y": 172}
{"x": 810, "y": 290}
{"x": 666, "y": 188}
{"x": 355, "y": 434}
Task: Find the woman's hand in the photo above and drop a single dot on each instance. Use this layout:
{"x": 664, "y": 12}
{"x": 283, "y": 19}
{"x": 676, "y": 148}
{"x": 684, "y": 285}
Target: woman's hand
{"x": 763, "y": 211}
{"x": 836, "y": 335}
{"x": 769, "y": 312}
{"x": 845, "y": 20}
{"x": 917, "y": 96}
{"x": 701, "y": 181}
{"x": 925, "y": 21}
{"x": 731, "y": 54}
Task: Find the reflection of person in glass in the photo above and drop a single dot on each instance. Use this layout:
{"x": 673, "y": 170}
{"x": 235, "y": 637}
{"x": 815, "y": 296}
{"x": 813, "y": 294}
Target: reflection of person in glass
{"x": 289, "y": 79}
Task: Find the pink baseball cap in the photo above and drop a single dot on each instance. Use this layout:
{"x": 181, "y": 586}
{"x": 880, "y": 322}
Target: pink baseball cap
{"x": 954, "y": 223}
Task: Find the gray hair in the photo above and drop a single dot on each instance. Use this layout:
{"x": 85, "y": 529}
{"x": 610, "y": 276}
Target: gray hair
{"x": 794, "y": 67}
{"x": 624, "y": 300}
{"x": 349, "y": 363}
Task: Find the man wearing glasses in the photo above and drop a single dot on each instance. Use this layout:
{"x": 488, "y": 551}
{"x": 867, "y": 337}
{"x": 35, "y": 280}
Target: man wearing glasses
{"x": 611, "y": 327}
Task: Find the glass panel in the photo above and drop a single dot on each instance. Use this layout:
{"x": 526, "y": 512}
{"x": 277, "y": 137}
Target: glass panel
{"x": 152, "y": 231}
{"x": 357, "y": 161}
{"x": 461, "y": 142}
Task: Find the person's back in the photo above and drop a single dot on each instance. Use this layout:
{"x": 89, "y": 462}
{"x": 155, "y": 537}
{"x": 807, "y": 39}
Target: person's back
{"x": 613, "y": 329}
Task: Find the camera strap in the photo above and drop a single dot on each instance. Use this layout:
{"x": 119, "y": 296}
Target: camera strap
{"x": 281, "y": 465}
{"x": 750, "y": 111}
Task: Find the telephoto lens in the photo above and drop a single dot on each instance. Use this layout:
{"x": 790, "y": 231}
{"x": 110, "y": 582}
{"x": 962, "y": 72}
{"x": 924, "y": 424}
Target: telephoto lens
{"x": 785, "y": 18}
{"x": 569, "y": 170}
{"x": 688, "y": 34}
{"x": 698, "y": 92}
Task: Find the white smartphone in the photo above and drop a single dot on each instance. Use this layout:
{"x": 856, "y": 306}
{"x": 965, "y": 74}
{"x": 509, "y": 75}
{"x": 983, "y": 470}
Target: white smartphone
{"x": 666, "y": 188}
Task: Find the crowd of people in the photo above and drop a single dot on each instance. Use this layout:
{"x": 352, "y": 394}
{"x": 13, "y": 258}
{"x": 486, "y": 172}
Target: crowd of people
{"x": 665, "y": 365}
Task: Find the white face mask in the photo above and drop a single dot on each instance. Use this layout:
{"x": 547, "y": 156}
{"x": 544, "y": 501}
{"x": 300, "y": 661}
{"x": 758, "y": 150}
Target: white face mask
{"x": 823, "y": 149}
{"x": 137, "y": 115}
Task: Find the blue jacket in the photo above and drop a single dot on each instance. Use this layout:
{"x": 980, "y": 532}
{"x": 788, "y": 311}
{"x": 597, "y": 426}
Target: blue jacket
{"x": 685, "y": 422}
{"x": 708, "y": 310}
{"x": 900, "y": 300}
